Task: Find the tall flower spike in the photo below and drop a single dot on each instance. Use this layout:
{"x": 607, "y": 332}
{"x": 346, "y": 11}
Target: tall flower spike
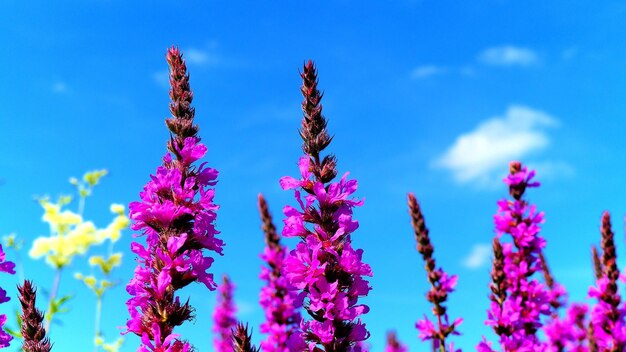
{"x": 441, "y": 285}
{"x": 516, "y": 316}
{"x": 597, "y": 263}
{"x": 176, "y": 215}
{"x": 278, "y": 298}
{"x": 224, "y": 317}
{"x": 324, "y": 267}
{"x": 242, "y": 340}
{"x": 558, "y": 295}
{"x": 32, "y": 329}
{"x": 393, "y": 344}
{"x": 570, "y": 332}
{"x": 7, "y": 267}
{"x": 608, "y": 323}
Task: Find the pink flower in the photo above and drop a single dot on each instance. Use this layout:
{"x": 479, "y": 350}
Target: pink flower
{"x": 224, "y": 317}
{"x": 8, "y": 268}
{"x": 518, "y": 300}
{"x": 176, "y": 214}
{"x": 325, "y": 269}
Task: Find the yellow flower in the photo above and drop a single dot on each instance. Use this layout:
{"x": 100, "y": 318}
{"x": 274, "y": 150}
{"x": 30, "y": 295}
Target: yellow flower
{"x": 112, "y": 347}
{"x": 106, "y": 265}
{"x": 41, "y": 246}
{"x": 60, "y": 221}
{"x": 92, "y": 178}
{"x": 117, "y": 209}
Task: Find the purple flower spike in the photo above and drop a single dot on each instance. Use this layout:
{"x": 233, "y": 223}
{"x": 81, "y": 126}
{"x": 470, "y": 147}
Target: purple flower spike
{"x": 176, "y": 214}
{"x": 32, "y": 329}
{"x": 279, "y": 300}
{"x": 324, "y": 267}
{"x": 224, "y": 317}
{"x": 441, "y": 286}
{"x": 569, "y": 333}
{"x": 518, "y": 301}
{"x": 7, "y": 267}
{"x": 608, "y": 323}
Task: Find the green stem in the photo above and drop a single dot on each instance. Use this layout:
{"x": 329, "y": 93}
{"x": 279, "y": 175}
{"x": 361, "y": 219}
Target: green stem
{"x": 19, "y": 265}
{"x": 81, "y": 206}
{"x": 53, "y": 294}
{"x": 97, "y": 322}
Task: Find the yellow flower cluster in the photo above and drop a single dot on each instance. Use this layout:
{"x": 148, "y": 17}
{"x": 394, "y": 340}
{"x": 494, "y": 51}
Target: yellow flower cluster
{"x": 97, "y": 287}
{"x": 71, "y": 235}
{"x": 109, "y": 347}
{"x": 90, "y": 179}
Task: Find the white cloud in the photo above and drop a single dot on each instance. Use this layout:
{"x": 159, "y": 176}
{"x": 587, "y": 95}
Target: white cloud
{"x": 59, "y": 87}
{"x": 478, "y": 155}
{"x": 426, "y": 71}
{"x": 569, "y": 53}
{"x": 553, "y": 169}
{"x": 478, "y": 256}
{"x": 162, "y": 78}
{"x": 508, "y": 55}
{"x": 200, "y": 57}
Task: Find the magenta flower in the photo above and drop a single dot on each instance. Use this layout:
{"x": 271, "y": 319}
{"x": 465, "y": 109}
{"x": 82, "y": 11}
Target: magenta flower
{"x": 7, "y": 267}
{"x": 324, "y": 266}
{"x": 569, "y": 333}
{"x": 176, "y": 214}
{"x": 224, "y": 317}
{"x": 393, "y": 344}
{"x": 279, "y": 300}
{"x": 518, "y": 300}
{"x": 441, "y": 286}
{"x": 607, "y": 317}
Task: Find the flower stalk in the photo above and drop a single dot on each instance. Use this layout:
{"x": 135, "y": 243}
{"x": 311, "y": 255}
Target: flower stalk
{"x": 32, "y": 328}
{"x": 224, "y": 320}
{"x": 324, "y": 267}
{"x": 278, "y": 298}
{"x": 518, "y": 301}
{"x": 176, "y": 215}
{"x": 441, "y": 283}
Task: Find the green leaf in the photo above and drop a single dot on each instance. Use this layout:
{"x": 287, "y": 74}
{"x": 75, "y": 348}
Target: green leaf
{"x": 14, "y": 333}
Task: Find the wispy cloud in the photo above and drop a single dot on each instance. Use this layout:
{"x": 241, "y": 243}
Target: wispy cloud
{"x": 59, "y": 87}
{"x": 200, "y": 57}
{"x": 569, "y": 53}
{"x": 508, "y": 55}
{"x": 477, "y": 257}
{"x": 162, "y": 78}
{"x": 553, "y": 169}
{"x": 478, "y": 155}
{"x": 427, "y": 71}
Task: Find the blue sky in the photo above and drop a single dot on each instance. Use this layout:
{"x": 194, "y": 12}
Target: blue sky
{"x": 432, "y": 97}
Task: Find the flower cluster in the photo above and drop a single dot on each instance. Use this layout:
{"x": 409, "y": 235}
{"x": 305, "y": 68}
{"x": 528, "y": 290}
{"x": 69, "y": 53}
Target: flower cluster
{"x": 324, "y": 264}
{"x": 607, "y": 318}
{"x": 393, "y": 344}
{"x": 176, "y": 214}
{"x": 569, "y": 333}
{"x": 518, "y": 301}
{"x": 7, "y": 267}
{"x": 278, "y": 299}
{"x": 71, "y": 235}
{"x": 441, "y": 283}
{"x": 224, "y": 317}
{"x": 32, "y": 329}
